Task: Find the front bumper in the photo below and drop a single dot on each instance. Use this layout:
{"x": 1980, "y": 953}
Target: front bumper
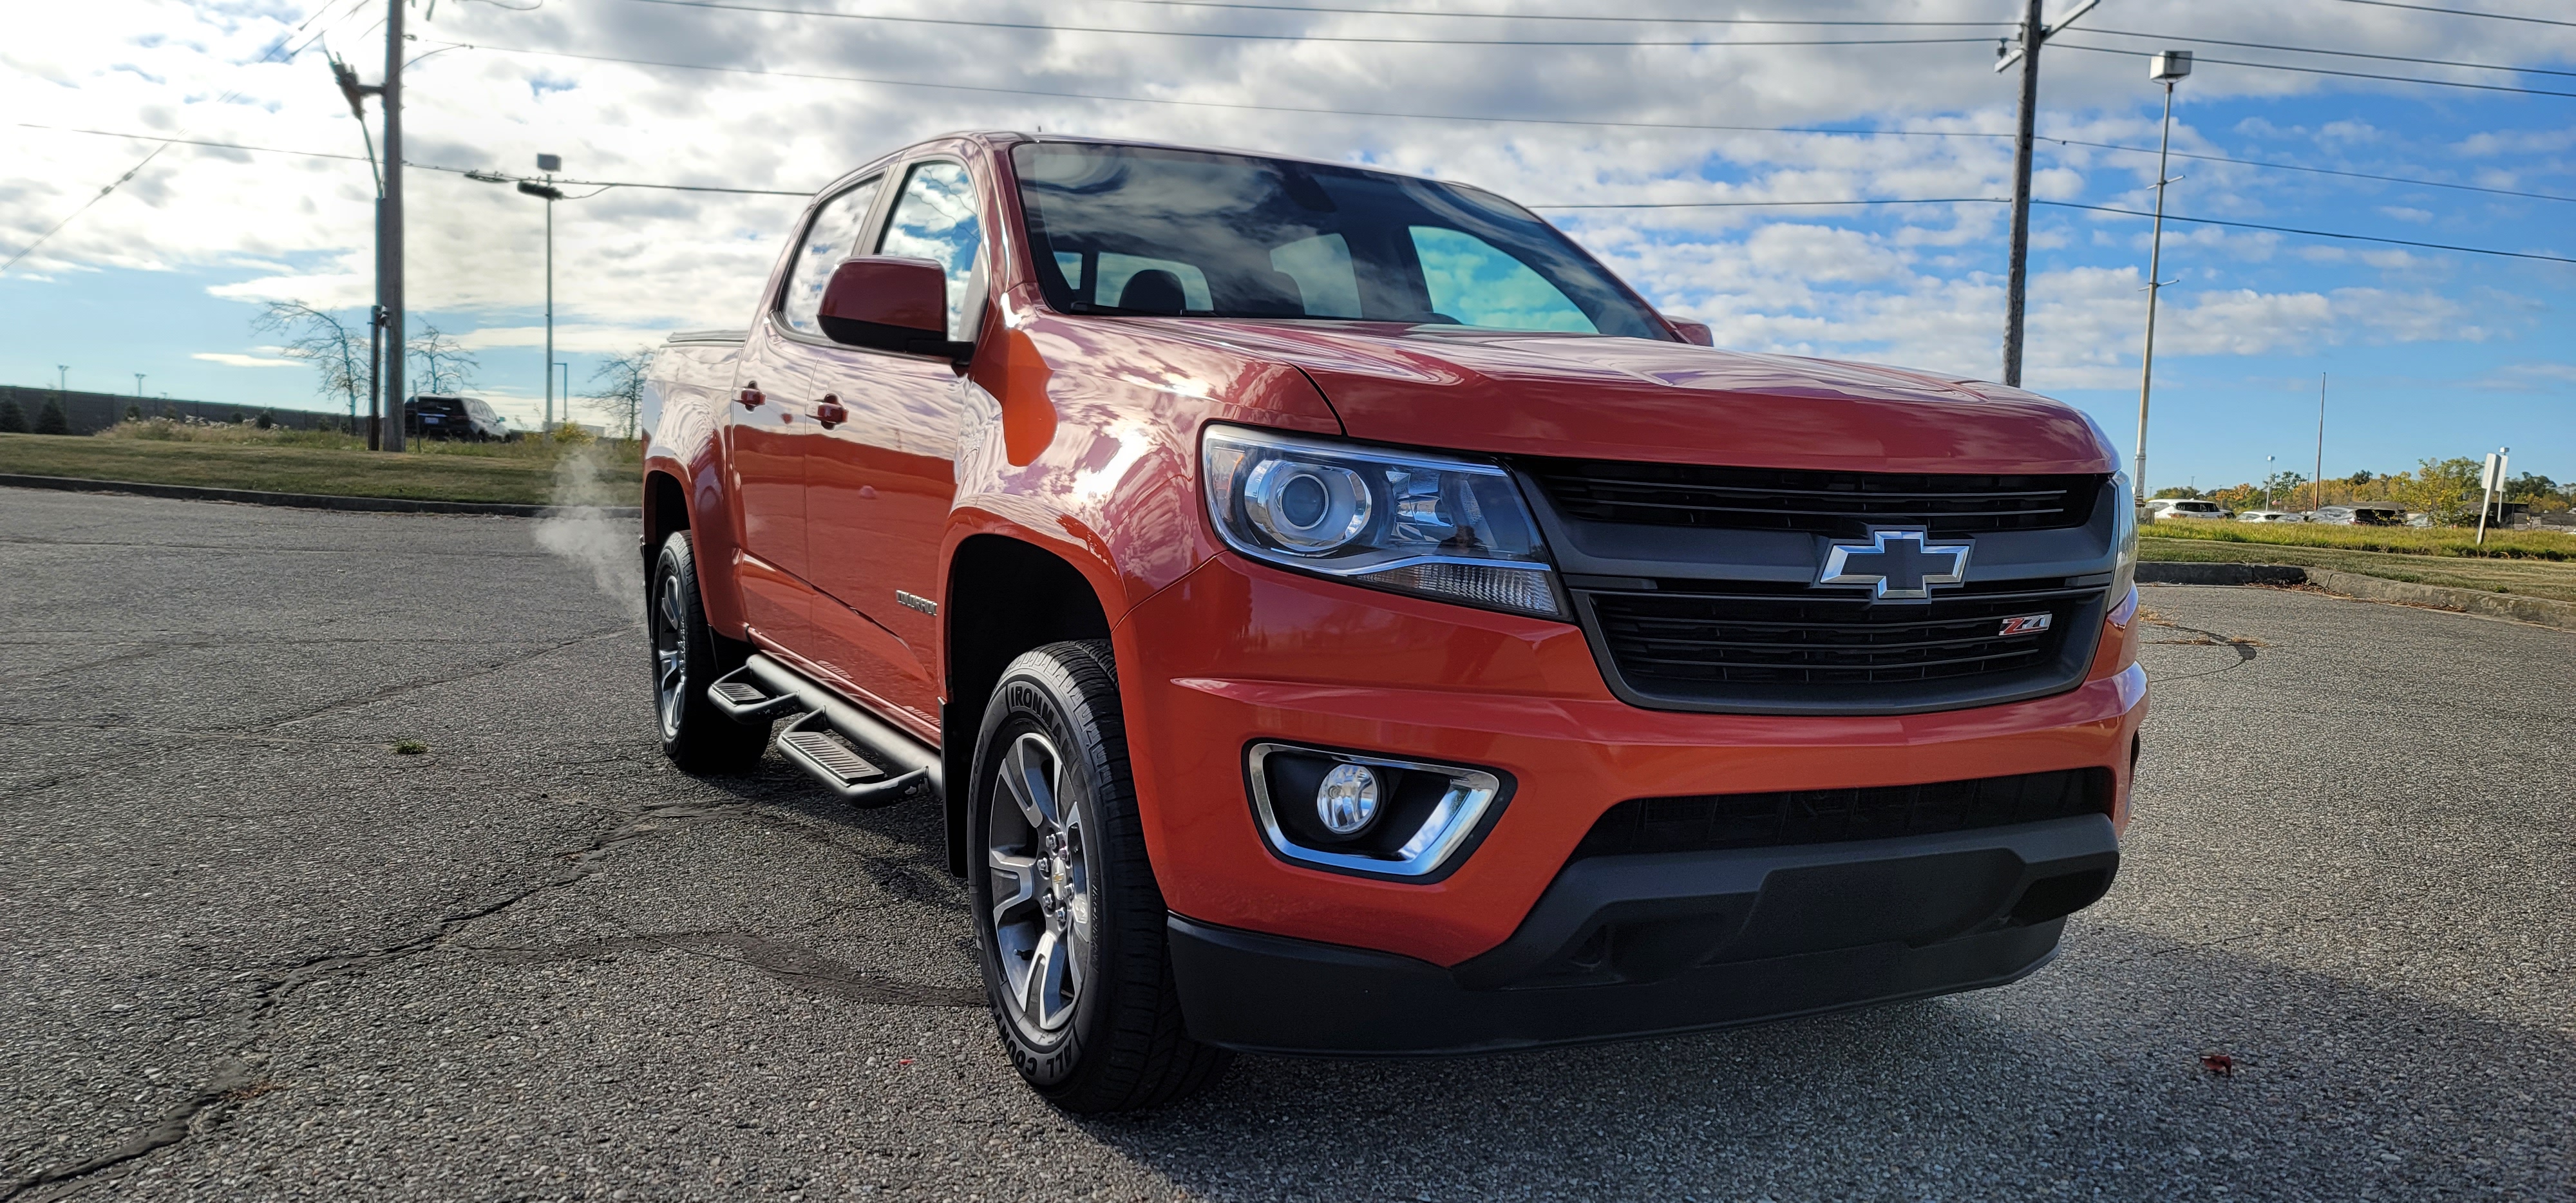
{"x": 1237, "y": 652}
{"x": 1647, "y": 945}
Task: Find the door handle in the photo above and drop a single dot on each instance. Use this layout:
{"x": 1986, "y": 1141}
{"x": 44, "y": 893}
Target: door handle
{"x": 751, "y": 396}
{"x": 828, "y": 411}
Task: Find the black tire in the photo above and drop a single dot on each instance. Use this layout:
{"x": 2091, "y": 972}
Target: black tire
{"x": 687, "y": 657}
{"x": 1118, "y": 1044}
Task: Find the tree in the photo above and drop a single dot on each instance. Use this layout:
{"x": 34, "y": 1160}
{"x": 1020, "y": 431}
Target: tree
{"x": 13, "y": 420}
{"x": 335, "y": 350}
{"x": 620, "y": 389}
{"x": 2184, "y": 491}
{"x": 2529, "y": 486}
{"x": 2280, "y": 487}
{"x": 445, "y": 365}
{"x": 2446, "y": 490}
{"x": 50, "y": 420}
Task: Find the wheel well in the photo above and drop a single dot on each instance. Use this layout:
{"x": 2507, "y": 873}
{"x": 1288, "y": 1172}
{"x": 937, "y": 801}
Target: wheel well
{"x": 666, "y": 509}
{"x": 1004, "y": 597}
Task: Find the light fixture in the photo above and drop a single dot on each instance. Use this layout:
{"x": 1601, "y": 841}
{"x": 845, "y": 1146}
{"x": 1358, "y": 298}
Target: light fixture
{"x": 1347, "y": 800}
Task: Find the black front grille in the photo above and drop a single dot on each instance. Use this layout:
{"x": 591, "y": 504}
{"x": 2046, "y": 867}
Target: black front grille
{"x": 1830, "y": 503}
{"x": 1706, "y": 822}
{"x": 1686, "y": 645}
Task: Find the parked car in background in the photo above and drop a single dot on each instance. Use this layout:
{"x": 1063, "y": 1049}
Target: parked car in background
{"x": 2270, "y": 516}
{"x": 465, "y": 419}
{"x": 2185, "y": 507}
{"x": 2360, "y": 515}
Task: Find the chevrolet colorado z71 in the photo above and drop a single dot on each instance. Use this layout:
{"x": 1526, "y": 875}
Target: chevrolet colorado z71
{"x": 1338, "y": 616}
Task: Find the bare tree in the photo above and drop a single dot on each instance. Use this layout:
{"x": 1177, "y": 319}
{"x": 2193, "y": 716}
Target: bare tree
{"x": 338, "y": 352}
{"x": 619, "y": 388}
{"x": 445, "y": 365}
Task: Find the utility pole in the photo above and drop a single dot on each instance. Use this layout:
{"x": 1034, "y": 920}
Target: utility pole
{"x": 389, "y": 232}
{"x": 2034, "y": 34}
{"x": 138, "y": 386}
{"x": 2166, "y": 68}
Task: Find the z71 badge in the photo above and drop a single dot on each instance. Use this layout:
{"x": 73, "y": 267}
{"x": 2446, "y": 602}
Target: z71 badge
{"x": 2024, "y": 624}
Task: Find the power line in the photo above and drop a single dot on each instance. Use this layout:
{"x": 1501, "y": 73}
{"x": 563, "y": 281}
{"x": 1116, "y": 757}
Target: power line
{"x": 2248, "y": 225}
{"x": 2460, "y": 12}
{"x": 479, "y": 173}
{"x": 2357, "y": 175}
{"x": 2390, "y": 58}
{"x": 1495, "y": 16}
{"x": 2403, "y": 79}
{"x": 131, "y": 172}
{"x": 723, "y": 5}
{"x": 1997, "y": 200}
{"x": 1303, "y": 110}
{"x": 1932, "y": 200}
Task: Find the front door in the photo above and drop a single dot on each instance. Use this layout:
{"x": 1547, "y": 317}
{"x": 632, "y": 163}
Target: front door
{"x": 879, "y": 482}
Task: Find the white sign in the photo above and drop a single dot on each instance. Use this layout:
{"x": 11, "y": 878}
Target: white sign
{"x": 2493, "y": 478}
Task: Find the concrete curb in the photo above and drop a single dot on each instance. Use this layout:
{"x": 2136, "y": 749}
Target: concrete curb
{"x": 2539, "y": 611}
{"x": 307, "y": 501}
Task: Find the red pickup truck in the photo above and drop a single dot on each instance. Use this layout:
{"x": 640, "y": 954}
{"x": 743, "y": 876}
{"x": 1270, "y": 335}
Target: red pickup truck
{"x": 1337, "y": 616}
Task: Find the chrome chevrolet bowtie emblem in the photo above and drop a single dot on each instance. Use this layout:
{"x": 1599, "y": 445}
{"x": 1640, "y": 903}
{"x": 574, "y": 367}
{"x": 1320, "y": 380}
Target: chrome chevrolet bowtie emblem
{"x": 1897, "y": 565}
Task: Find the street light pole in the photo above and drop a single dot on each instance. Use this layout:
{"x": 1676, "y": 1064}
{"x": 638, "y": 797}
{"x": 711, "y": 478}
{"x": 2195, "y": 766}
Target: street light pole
{"x": 550, "y": 164}
{"x": 2166, "y": 68}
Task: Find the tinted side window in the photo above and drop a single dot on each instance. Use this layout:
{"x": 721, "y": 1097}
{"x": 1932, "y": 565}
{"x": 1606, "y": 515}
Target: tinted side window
{"x": 1480, "y": 284}
{"x": 831, "y": 238}
{"x": 935, "y": 219}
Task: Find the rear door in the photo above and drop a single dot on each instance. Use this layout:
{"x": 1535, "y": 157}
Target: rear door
{"x": 880, "y": 480}
{"x": 771, "y": 420}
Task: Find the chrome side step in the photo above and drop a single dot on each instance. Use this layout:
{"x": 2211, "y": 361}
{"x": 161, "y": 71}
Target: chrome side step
{"x": 879, "y": 765}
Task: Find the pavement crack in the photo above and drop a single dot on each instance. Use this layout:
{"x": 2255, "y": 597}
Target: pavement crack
{"x": 787, "y": 963}
{"x": 233, "y": 1082}
{"x": 481, "y": 670}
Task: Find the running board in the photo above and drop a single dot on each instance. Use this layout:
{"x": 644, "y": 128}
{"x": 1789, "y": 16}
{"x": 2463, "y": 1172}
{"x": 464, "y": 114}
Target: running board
{"x": 880, "y": 765}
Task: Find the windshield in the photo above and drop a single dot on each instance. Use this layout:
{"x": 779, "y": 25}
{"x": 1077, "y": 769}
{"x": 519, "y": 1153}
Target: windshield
{"x": 1142, "y": 230}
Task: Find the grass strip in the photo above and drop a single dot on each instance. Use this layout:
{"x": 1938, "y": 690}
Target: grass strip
{"x": 278, "y": 468}
{"x": 2528, "y": 577}
{"x": 2402, "y": 540}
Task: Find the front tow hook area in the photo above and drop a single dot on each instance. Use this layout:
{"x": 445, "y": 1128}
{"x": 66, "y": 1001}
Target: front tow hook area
{"x": 839, "y": 746}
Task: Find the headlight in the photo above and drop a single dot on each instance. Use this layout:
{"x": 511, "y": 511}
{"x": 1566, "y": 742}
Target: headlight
{"x": 1447, "y": 528}
{"x": 2124, "y": 536}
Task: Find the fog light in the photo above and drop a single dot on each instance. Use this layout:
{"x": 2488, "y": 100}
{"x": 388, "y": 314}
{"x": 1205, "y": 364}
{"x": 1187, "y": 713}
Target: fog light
{"x": 1347, "y": 800}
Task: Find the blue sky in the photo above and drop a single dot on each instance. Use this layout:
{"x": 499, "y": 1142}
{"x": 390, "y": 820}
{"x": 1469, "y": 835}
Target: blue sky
{"x": 2428, "y": 353}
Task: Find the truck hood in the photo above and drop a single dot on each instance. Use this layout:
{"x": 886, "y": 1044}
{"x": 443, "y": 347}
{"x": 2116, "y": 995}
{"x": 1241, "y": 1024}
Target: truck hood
{"x": 1512, "y": 392}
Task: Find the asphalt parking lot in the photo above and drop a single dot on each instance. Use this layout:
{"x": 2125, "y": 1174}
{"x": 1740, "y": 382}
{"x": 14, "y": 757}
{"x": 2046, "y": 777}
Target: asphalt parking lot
{"x": 252, "y": 951}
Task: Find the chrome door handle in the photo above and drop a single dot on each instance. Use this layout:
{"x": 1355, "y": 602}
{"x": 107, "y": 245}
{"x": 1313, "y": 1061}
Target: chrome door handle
{"x": 828, "y": 411}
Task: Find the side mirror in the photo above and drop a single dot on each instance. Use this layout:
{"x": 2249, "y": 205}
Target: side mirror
{"x": 1693, "y": 332}
{"x": 888, "y": 303}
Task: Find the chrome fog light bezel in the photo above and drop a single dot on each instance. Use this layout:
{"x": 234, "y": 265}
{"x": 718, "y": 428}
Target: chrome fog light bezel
{"x": 1434, "y": 848}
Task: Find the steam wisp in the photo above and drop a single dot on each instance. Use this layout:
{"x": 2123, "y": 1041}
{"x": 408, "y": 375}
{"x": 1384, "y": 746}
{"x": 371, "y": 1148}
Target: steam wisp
{"x": 578, "y": 530}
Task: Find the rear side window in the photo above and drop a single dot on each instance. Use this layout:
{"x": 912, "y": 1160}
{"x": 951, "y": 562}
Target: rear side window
{"x": 935, "y": 219}
{"x": 827, "y": 242}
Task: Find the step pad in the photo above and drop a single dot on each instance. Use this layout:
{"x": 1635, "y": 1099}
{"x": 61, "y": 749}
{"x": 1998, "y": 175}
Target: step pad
{"x": 739, "y": 693}
{"x": 833, "y": 755}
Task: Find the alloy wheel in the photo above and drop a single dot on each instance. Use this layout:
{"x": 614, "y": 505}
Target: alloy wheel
{"x": 671, "y": 653}
{"x": 1041, "y": 887}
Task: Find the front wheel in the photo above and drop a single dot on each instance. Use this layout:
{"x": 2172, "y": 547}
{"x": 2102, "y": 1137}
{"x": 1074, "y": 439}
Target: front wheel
{"x": 688, "y": 656}
{"x": 1068, "y": 920}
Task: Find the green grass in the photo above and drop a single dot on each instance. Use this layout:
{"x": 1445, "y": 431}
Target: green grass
{"x": 279, "y": 461}
{"x": 2529, "y": 576}
{"x": 2402, "y": 540}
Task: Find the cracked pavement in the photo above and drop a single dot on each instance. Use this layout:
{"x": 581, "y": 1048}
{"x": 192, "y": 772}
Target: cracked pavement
{"x": 253, "y": 952}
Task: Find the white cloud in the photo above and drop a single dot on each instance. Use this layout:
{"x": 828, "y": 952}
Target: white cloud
{"x": 234, "y": 360}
